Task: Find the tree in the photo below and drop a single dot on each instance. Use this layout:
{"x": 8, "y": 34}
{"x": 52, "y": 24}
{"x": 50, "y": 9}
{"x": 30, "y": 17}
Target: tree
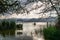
{"x": 7, "y": 6}
{"x": 16, "y": 6}
{"x": 52, "y": 7}
{"x": 57, "y": 11}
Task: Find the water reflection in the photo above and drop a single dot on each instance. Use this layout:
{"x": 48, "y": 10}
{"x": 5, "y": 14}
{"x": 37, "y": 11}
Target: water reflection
{"x": 14, "y": 34}
{"x": 29, "y": 31}
{"x": 7, "y": 32}
{"x": 10, "y": 35}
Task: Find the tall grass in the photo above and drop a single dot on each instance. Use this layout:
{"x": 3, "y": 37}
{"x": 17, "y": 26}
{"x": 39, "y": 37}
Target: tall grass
{"x": 51, "y": 33}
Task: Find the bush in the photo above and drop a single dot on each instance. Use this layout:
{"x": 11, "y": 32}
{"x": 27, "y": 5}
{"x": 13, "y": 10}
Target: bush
{"x": 12, "y": 25}
{"x": 7, "y": 25}
{"x": 19, "y": 26}
{"x": 51, "y": 33}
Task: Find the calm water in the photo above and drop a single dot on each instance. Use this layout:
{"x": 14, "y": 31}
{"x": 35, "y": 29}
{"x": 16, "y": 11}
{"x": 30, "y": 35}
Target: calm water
{"x": 27, "y": 33}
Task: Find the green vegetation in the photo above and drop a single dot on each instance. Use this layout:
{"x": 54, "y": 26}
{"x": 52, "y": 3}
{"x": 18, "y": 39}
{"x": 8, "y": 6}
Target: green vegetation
{"x": 19, "y": 26}
{"x": 7, "y": 25}
{"x": 8, "y": 5}
{"x": 51, "y": 33}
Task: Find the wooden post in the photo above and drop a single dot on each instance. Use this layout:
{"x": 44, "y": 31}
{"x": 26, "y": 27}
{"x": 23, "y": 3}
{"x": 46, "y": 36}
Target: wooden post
{"x": 47, "y": 24}
{"x": 34, "y": 24}
{"x": 50, "y": 24}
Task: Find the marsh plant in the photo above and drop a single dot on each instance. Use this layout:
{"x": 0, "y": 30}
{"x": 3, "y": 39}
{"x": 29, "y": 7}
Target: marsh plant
{"x": 51, "y": 33}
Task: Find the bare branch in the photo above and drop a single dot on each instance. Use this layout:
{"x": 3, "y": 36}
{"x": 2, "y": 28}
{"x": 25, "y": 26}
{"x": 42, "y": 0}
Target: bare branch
{"x": 54, "y": 7}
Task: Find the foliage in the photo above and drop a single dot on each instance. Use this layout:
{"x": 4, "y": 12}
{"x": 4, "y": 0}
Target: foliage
{"x": 8, "y": 5}
{"x": 6, "y": 25}
{"x": 58, "y": 23}
{"x": 12, "y": 25}
{"x": 19, "y": 26}
{"x": 51, "y": 33}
